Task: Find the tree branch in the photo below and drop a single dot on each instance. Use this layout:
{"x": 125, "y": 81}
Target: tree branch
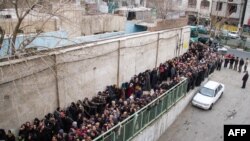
{"x": 14, "y": 2}
{"x": 2, "y": 33}
{"x": 28, "y": 11}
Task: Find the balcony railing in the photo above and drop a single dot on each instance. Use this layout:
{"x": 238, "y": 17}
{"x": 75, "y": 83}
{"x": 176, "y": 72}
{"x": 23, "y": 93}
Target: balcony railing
{"x": 137, "y": 122}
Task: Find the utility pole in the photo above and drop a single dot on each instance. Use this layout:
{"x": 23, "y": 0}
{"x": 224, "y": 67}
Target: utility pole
{"x": 241, "y": 12}
{"x": 198, "y": 16}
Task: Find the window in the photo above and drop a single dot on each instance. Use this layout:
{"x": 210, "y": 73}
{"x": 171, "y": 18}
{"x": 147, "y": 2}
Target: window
{"x": 7, "y": 16}
{"x": 124, "y": 3}
{"x": 216, "y": 91}
{"x": 205, "y": 4}
{"x": 232, "y": 8}
{"x": 220, "y": 87}
{"x": 192, "y": 3}
{"x": 20, "y": 31}
{"x": 207, "y": 92}
{"x": 219, "y": 6}
{"x": 131, "y": 16}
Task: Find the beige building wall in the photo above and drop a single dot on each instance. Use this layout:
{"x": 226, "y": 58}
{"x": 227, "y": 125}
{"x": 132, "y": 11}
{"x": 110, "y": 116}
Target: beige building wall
{"x": 247, "y": 14}
{"x": 29, "y": 26}
{"x": 70, "y": 19}
{"x": 73, "y": 22}
{"x": 95, "y": 24}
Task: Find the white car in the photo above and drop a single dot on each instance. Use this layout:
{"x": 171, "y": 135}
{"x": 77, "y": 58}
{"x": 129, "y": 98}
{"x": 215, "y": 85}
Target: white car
{"x": 208, "y": 95}
{"x": 222, "y": 50}
{"x": 233, "y": 35}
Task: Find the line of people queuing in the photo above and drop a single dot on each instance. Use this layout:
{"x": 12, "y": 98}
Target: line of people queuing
{"x": 86, "y": 119}
{"x": 235, "y": 63}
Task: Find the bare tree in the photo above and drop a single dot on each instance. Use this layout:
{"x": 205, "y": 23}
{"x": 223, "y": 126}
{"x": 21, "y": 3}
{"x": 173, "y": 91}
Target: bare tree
{"x": 163, "y": 7}
{"x": 21, "y": 13}
{"x": 2, "y": 32}
{"x": 40, "y": 9}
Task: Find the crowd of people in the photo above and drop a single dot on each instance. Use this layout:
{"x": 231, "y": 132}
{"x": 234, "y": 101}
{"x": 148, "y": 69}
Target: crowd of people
{"x": 86, "y": 119}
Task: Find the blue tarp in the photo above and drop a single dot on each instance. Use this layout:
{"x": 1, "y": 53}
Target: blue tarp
{"x": 60, "y": 38}
{"x": 53, "y": 40}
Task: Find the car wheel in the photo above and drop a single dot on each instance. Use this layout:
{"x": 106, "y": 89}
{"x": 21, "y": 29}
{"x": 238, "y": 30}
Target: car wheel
{"x": 211, "y": 107}
{"x": 221, "y": 95}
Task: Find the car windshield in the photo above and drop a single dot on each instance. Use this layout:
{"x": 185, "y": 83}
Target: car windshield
{"x": 207, "y": 92}
{"x": 194, "y": 33}
{"x": 200, "y": 26}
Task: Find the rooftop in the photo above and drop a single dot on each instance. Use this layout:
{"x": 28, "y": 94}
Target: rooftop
{"x": 211, "y": 85}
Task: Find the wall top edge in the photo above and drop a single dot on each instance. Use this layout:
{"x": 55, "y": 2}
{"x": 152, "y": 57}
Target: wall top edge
{"x": 66, "y": 49}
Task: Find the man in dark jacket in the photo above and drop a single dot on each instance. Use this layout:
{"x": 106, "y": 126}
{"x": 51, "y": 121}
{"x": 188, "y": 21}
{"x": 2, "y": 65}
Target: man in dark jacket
{"x": 153, "y": 78}
{"x": 244, "y": 79}
{"x": 241, "y": 64}
{"x": 236, "y": 63}
{"x": 10, "y": 136}
{"x": 2, "y": 135}
{"x": 231, "y": 63}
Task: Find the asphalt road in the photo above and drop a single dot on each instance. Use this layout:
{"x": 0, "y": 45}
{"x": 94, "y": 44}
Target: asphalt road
{"x": 195, "y": 124}
{"x": 239, "y": 53}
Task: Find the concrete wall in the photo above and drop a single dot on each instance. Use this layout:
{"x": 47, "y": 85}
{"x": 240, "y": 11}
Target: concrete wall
{"x": 33, "y": 86}
{"x": 73, "y": 21}
{"x": 9, "y": 25}
{"x": 92, "y": 24}
{"x": 27, "y": 90}
{"x": 84, "y": 72}
{"x": 158, "y": 127}
{"x": 169, "y": 24}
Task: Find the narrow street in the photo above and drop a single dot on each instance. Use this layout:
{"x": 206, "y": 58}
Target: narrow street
{"x": 239, "y": 53}
{"x": 194, "y": 124}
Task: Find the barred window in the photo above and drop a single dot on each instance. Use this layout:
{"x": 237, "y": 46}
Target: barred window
{"x": 219, "y": 6}
{"x": 232, "y": 8}
{"x": 205, "y": 4}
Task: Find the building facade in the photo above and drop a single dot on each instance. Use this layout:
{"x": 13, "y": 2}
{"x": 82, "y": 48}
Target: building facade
{"x": 201, "y": 7}
{"x": 228, "y": 11}
{"x": 198, "y": 11}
